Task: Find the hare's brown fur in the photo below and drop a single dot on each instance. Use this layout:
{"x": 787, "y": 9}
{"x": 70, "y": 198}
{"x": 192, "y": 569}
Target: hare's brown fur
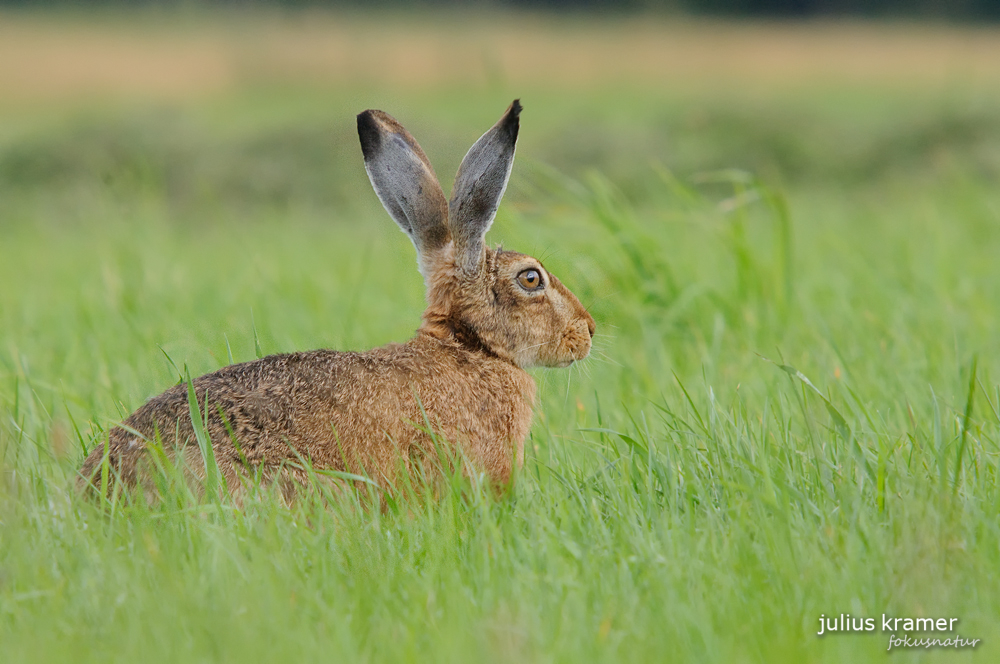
{"x": 461, "y": 377}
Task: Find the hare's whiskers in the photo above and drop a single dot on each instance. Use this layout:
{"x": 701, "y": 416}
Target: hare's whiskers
{"x": 604, "y": 357}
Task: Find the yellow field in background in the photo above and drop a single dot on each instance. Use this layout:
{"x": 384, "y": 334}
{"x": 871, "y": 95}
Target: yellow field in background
{"x": 43, "y": 59}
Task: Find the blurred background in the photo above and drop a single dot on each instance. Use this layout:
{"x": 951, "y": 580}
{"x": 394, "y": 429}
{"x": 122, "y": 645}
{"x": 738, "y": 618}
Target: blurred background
{"x": 253, "y": 103}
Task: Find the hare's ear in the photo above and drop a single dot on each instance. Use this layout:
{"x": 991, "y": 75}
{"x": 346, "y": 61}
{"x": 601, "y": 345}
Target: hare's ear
{"x": 405, "y": 183}
{"x": 479, "y": 186}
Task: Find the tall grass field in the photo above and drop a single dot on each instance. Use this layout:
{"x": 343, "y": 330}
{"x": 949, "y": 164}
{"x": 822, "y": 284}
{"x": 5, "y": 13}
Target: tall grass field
{"x": 789, "y": 236}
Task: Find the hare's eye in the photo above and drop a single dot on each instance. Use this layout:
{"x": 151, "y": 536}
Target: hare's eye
{"x": 530, "y": 280}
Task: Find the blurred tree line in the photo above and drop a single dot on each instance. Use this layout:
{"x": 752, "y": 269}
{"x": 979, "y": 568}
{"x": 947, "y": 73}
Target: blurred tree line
{"x": 939, "y": 9}
{"x": 957, "y": 9}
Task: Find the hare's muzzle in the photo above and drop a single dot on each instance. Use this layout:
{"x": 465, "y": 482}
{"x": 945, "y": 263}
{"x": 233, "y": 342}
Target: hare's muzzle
{"x": 576, "y": 341}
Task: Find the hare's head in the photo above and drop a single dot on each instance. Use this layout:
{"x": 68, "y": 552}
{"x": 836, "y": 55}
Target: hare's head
{"x": 502, "y": 302}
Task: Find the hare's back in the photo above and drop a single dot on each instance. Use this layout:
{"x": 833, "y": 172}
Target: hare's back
{"x": 257, "y": 404}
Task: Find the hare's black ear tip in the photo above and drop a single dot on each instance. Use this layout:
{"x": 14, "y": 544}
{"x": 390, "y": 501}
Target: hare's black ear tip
{"x": 510, "y": 121}
{"x": 368, "y": 131}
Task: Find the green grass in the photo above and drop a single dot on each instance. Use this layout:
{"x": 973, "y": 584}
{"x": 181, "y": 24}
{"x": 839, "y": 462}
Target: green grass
{"x": 686, "y": 495}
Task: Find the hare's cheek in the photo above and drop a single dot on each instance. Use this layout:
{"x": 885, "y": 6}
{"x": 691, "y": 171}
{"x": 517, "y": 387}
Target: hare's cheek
{"x": 532, "y": 357}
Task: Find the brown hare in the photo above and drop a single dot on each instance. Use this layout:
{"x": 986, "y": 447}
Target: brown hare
{"x": 490, "y": 314}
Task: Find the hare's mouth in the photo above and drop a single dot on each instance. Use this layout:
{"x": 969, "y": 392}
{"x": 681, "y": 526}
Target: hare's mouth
{"x": 573, "y": 346}
{"x": 559, "y": 360}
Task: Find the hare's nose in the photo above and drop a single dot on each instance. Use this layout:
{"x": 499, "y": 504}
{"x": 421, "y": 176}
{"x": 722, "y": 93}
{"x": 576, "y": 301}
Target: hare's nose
{"x": 591, "y": 326}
